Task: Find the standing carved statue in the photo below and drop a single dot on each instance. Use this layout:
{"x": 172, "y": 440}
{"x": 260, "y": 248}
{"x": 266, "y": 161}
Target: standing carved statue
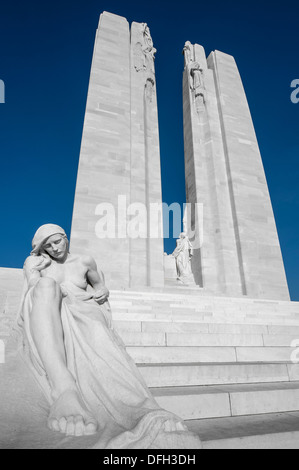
{"x": 195, "y": 77}
{"x": 188, "y": 52}
{"x": 183, "y": 254}
{"x": 144, "y": 51}
{"x": 149, "y": 45}
{"x": 91, "y": 384}
{"x": 196, "y": 72}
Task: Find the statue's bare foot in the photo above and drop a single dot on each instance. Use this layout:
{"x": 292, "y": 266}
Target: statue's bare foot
{"x": 70, "y": 416}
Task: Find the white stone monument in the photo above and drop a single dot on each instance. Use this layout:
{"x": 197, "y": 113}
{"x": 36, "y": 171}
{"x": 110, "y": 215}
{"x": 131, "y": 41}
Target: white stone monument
{"x": 224, "y": 357}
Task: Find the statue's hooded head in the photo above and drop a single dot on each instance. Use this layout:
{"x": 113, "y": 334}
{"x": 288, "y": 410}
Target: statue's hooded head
{"x": 42, "y": 235}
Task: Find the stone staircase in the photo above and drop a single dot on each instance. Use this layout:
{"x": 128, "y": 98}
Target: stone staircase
{"x": 222, "y": 364}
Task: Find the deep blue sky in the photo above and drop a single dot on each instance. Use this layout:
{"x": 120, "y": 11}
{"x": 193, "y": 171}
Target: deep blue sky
{"x": 45, "y": 56}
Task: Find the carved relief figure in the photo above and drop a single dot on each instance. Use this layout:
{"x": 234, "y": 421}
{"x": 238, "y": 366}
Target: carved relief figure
{"x": 79, "y": 361}
{"x": 195, "y": 77}
{"x": 139, "y": 58}
{"x": 188, "y": 52}
{"x": 196, "y": 72}
{"x": 149, "y": 49}
{"x": 144, "y": 56}
{"x": 149, "y": 89}
{"x": 144, "y": 51}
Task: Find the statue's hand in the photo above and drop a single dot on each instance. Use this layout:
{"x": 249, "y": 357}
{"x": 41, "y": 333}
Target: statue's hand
{"x": 38, "y": 263}
{"x": 101, "y": 295}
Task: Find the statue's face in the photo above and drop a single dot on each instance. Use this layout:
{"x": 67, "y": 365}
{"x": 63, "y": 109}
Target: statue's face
{"x": 56, "y": 246}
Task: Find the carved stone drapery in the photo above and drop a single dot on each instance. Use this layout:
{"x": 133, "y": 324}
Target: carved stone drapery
{"x": 195, "y": 77}
{"x": 149, "y": 49}
{"x": 149, "y": 89}
{"x": 144, "y": 56}
{"x": 139, "y": 58}
{"x": 188, "y": 52}
{"x": 183, "y": 254}
{"x": 144, "y": 51}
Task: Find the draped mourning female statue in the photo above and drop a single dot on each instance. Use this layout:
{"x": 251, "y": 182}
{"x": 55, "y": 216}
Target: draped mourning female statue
{"x": 91, "y": 387}
{"x": 183, "y": 254}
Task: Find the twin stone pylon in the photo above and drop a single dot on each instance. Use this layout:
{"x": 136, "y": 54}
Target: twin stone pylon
{"x": 239, "y": 254}
{"x": 119, "y": 176}
{"x": 119, "y": 168}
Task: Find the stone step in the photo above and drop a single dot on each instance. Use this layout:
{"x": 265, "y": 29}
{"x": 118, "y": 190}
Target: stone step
{"x": 207, "y": 318}
{"x": 230, "y": 317}
{"x": 181, "y": 375}
{"x": 265, "y": 431}
{"x": 184, "y": 294}
{"x": 134, "y": 338}
{"x": 192, "y": 299}
{"x": 228, "y": 400}
{"x": 187, "y": 310}
{"x": 213, "y": 328}
{"x": 177, "y": 339}
{"x": 186, "y": 354}
{"x": 281, "y": 340}
{"x": 158, "y": 309}
{"x": 12, "y": 280}
{"x": 217, "y": 304}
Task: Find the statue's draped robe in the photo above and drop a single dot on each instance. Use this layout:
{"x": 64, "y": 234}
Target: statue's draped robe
{"x": 109, "y": 381}
{"x": 182, "y": 257}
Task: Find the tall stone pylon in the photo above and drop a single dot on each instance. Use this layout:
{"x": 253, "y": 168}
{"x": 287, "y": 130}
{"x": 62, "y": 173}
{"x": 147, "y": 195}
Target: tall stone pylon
{"x": 239, "y": 254}
{"x": 119, "y": 166}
